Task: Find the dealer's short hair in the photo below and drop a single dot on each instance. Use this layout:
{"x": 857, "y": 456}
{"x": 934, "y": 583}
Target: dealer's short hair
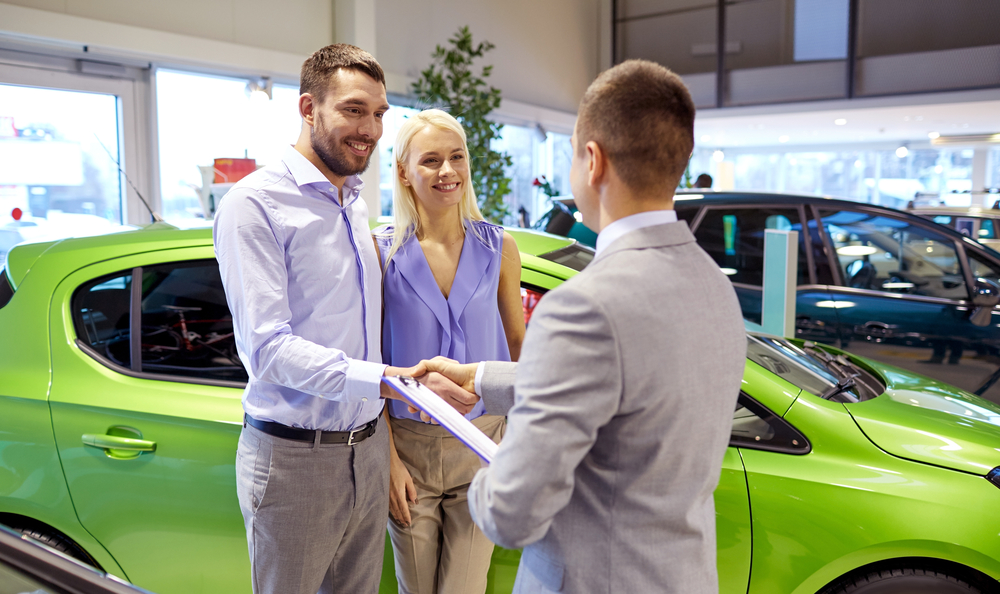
{"x": 642, "y": 116}
{"x": 324, "y": 63}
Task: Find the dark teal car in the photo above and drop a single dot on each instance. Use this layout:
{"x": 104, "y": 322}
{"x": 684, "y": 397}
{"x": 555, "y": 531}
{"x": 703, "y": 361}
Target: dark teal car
{"x": 881, "y": 283}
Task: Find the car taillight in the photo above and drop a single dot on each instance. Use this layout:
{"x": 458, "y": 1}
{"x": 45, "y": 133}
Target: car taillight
{"x": 529, "y": 299}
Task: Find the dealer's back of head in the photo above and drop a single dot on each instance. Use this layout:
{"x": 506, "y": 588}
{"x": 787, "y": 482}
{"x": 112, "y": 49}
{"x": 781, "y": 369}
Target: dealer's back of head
{"x": 302, "y": 280}
{"x": 629, "y": 372}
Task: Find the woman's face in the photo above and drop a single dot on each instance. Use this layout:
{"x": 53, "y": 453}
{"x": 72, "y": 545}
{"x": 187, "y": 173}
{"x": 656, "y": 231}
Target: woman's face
{"x": 437, "y": 168}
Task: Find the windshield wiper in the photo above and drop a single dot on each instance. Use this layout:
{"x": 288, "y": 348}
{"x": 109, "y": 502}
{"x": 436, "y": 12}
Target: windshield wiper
{"x": 844, "y": 384}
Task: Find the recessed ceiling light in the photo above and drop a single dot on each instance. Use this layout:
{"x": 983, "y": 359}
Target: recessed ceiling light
{"x": 933, "y": 135}
{"x": 784, "y": 138}
{"x": 718, "y": 156}
{"x": 840, "y": 122}
{"x": 902, "y": 151}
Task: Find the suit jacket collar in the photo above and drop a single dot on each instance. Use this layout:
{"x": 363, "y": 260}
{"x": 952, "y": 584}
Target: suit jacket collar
{"x": 650, "y": 237}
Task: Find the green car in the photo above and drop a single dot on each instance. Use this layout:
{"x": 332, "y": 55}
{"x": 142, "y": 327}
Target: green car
{"x": 841, "y": 472}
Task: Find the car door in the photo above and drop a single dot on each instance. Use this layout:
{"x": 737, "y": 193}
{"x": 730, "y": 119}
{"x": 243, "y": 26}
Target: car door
{"x": 903, "y": 297}
{"x": 733, "y": 235}
{"x": 145, "y": 402}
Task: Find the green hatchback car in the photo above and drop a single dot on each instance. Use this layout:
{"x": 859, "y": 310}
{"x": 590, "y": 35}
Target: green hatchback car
{"x": 120, "y": 397}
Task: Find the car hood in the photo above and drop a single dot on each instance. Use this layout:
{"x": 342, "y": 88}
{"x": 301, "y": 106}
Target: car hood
{"x": 931, "y": 422}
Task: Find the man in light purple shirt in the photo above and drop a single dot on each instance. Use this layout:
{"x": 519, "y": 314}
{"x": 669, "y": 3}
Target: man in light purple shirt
{"x": 302, "y": 279}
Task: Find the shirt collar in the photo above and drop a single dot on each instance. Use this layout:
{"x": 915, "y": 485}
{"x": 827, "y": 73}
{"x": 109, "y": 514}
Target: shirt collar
{"x": 609, "y": 234}
{"x": 306, "y": 174}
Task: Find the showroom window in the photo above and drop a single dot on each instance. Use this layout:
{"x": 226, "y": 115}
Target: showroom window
{"x": 186, "y": 330}
{"x": 202, "y": 118}
{"x": 882, "y": 254}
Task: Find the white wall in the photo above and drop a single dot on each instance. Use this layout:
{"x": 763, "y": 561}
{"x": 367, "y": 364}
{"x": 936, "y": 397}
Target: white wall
{"x": 546, "y": 54}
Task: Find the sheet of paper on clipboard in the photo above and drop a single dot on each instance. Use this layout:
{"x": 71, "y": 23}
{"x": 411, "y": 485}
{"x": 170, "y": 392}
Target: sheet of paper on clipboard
{"x": 426, "y": 400}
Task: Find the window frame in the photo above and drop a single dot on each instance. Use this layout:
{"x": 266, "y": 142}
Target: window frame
{"x": 778, "y": 423}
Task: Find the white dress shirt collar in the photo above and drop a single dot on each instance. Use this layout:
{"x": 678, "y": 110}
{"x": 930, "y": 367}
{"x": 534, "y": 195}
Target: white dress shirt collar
{"x": 633, "y": 223}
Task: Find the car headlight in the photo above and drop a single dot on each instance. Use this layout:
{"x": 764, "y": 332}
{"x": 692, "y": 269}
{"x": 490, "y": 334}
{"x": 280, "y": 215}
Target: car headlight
{"x": 994, "y": 476}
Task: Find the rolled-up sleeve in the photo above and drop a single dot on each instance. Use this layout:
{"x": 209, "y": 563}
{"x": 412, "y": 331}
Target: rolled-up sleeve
{"x": 250, "y": 247}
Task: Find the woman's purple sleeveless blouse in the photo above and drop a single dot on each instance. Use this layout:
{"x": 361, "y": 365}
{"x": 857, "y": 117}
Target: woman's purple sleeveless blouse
{"x": 419, "y": 323}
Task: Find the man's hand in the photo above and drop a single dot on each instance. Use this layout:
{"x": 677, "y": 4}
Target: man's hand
{"x": 457, "y": 397}
{"x": 463, "y": 374}
{"x": 386, "y": 392}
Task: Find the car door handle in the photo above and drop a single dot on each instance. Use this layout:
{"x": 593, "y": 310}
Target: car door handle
{"x": 113, "y": 442}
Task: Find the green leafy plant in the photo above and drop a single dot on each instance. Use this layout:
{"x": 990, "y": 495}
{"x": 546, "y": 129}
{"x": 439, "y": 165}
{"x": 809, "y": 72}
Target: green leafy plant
{"x": 450, "y": 83}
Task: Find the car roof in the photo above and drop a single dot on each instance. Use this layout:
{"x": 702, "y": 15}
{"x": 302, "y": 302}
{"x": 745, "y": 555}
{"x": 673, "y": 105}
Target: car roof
{"x": 66, "y": 255}
{"x": 686, "y": 199}
{"x": 979, "y": 211}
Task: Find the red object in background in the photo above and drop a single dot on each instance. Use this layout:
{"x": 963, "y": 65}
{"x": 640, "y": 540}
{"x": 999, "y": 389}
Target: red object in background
{"x": 17, "y": 213}
{"x": 229, "y": 171}
{"x": 529, "y": 299}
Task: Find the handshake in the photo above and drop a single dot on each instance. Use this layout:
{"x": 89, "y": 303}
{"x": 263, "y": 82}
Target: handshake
{"x": 454, "y": 382}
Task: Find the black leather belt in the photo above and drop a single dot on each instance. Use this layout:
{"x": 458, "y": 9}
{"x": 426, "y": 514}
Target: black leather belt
{"x": 285, "y": 432}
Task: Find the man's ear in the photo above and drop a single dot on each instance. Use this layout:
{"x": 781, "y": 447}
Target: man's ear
{"x": 597, "y": 164}
{"x": 306, "y": 107}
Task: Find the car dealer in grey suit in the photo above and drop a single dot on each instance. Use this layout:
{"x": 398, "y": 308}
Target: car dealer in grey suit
{"x": 620, "y": 409}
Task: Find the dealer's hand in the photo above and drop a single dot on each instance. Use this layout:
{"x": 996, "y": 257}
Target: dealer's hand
{"x": 463, "y": 374}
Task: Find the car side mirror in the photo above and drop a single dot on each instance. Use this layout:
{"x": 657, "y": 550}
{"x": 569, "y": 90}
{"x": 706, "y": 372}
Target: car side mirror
{"x": 985, "y": 296}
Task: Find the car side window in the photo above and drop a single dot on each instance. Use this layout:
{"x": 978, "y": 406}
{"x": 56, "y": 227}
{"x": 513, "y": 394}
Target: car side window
{"x": 987, "y": 229}
{"x": 186, "y": 327}
{"x": 734, "y": 238}
{"x": 101, "y": 317}
{"x": 981, "y": 269}
{"x": 885, "y": 254}
{"x": 756, "y": 427}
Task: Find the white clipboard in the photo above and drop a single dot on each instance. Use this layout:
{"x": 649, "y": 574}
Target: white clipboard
{"x": 426, "y": 400}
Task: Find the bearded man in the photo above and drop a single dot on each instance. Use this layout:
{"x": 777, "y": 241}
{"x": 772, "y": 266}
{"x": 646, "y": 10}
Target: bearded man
{"x": 303, "y": 283}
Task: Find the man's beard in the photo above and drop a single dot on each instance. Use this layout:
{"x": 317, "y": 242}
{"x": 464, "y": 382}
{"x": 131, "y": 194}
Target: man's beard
{"x": 336, "y": 156}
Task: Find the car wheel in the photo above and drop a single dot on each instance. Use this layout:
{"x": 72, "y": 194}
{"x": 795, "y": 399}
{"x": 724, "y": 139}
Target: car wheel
{"x": 904, "y": 581}
{"x": 58, "y": 542}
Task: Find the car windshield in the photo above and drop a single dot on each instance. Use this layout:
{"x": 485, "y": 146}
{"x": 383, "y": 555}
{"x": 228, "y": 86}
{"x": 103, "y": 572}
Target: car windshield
{"x": 813, "y": 369}
{"x": 575, "y": 256}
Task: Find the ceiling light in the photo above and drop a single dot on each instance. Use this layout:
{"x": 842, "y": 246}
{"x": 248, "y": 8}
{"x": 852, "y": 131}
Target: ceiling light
{"x": 840, "y": 122}
{"x": 718, "y": 156}
{"x": 784, "y": 138}
{"x": 859, "y": 164}
{"x": 967, "y": 139}
{"x": 856, "y": 250}
{"x": 933, "y": 135}
{"x": 902, "y": 151}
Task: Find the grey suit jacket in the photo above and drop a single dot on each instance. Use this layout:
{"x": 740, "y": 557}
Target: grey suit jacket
{"x": 622, "y": 410}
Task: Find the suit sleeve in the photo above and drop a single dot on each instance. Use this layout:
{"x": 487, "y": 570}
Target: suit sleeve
{"x": 498, "y": 386}
{"x": 568, "y": 387}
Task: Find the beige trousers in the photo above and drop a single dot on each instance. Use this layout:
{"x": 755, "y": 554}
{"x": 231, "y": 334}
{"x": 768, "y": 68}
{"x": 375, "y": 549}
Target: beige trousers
{"x": 442, "y": 551}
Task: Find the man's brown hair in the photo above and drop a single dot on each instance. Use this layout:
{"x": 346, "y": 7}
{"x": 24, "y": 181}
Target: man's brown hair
{"x": 642, "y": 115}
{"x": 324, "y": 63}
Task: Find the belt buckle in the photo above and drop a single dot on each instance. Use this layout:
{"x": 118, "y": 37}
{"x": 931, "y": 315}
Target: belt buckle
{"x": 350, "y": 436}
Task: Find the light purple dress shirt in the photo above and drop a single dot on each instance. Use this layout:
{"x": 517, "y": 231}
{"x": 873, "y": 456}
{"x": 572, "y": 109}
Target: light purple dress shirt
{"x": 420, "y": 323}
{"x": 302, "y": 280}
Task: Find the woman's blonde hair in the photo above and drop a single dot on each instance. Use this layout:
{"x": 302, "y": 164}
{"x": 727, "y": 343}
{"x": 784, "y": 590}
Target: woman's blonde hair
{"x": 406, "y": 222}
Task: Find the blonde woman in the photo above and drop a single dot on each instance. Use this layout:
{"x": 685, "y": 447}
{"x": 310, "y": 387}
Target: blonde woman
{"x": 451, "y": 287}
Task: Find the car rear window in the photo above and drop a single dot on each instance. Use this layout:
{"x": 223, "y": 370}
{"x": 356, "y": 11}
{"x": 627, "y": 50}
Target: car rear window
{"x": 575, "y": 256}
{"x": 6, "y": 289}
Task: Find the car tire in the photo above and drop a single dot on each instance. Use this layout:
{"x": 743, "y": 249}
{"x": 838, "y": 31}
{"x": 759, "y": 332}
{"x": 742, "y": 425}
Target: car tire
{"x": 904, "y": 581}
{"x": 58, "y": 542}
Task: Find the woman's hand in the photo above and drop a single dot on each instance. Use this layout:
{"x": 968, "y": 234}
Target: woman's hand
{"x": 401, "y": 491}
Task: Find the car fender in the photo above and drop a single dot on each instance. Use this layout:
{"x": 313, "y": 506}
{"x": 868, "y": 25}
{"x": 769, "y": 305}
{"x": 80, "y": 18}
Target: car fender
{"x": 901, "y": 549}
